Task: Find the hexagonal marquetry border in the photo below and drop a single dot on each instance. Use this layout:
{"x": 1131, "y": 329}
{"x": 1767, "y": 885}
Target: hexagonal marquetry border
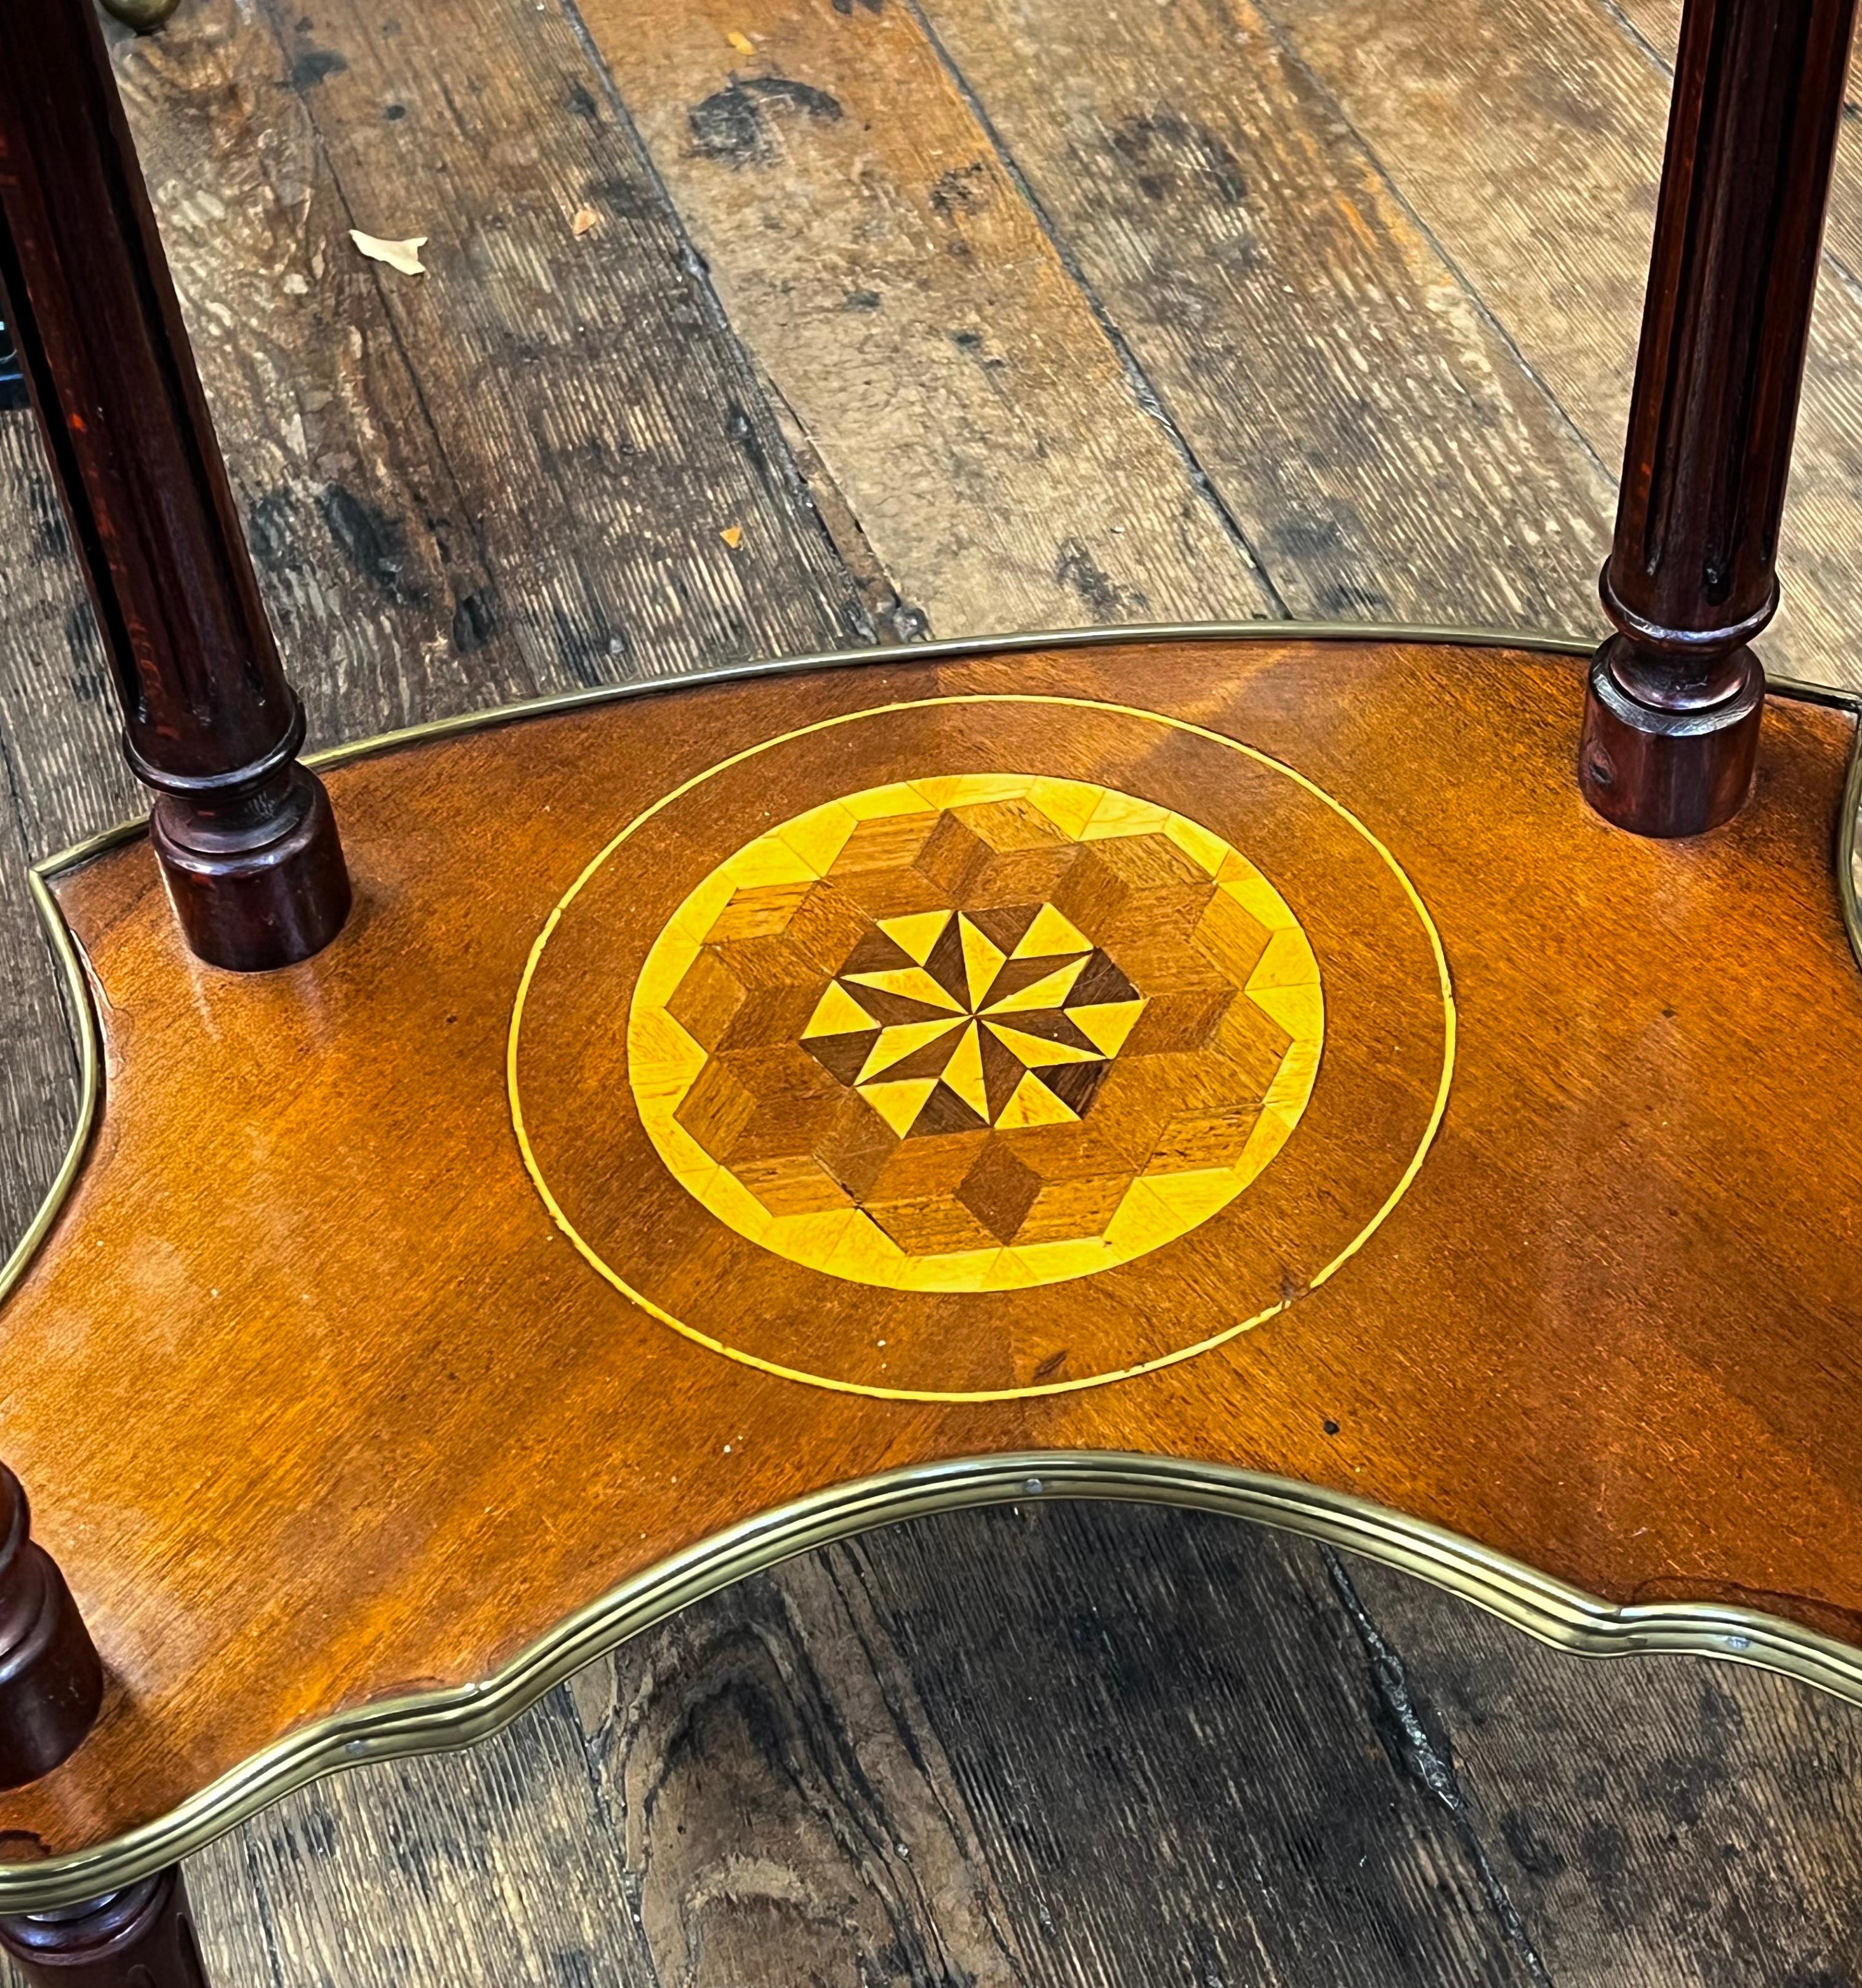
{"x": 1156, "y": 1206}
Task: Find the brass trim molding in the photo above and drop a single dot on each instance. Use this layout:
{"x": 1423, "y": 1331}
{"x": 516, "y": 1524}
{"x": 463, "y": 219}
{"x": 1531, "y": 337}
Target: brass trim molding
{"x": 82, "y": 1015}
{"x": 437, "y": 1721}
{"x": 1849, "y": 849}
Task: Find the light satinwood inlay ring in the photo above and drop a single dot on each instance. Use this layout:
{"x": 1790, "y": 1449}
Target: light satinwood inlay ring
{"x": 956, "y": 1036}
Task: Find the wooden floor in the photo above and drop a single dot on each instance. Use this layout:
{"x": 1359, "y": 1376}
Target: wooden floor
{"x": 757, "y": 325}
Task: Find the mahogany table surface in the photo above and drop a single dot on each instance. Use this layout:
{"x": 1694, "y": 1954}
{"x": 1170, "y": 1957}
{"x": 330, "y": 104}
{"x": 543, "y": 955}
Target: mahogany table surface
{"x": 1504, "y": 1177}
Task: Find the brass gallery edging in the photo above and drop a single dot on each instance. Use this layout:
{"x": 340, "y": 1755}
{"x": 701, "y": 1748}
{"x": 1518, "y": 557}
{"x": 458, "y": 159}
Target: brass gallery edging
{"x": 439, "y": 1721}
{"x": 436, "y": 1721}
{"x": 1848, "y": 853}
{"x": 82, "y": 1014}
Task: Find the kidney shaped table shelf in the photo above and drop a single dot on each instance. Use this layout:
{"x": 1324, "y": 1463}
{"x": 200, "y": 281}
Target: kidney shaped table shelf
{"x": 1210, "y": 1067}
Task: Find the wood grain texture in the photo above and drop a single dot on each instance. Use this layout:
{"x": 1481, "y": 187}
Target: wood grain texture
{"x": 249, "y": 847}
{"x": 1656, "y": 25}
{"x": 369, "y": 464}
{"x": 490, "y": 119}
{"x": 1277, "y": 1886}
{"x": 55, "y": 703}
{"x": 1306, "y": 1877}
{"x": 876, "y": 255}
{"x": 1365, "y": 422}
{"x": 1632, "y": 1831}
{"x": 1523, "y": 122}
{"x": 274, "y": 1608}
{"x": 402, "y": 561}
{"x": 99, "y": 332}
{"x": 369, "y": 557}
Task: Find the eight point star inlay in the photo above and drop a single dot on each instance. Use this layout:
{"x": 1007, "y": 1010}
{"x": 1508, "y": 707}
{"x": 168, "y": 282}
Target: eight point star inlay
{"x": 975, "y": 1032}
{"x": 955, "y": 1021}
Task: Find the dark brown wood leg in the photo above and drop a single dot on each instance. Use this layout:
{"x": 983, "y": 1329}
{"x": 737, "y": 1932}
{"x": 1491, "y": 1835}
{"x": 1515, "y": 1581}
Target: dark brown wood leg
{"x": 244, "y": 834}
{"x": 143, "y": 16}
{"x": 1671, "y": 719}
{"x": 51, "y": 1681}
{"x": 140, "y": 1937}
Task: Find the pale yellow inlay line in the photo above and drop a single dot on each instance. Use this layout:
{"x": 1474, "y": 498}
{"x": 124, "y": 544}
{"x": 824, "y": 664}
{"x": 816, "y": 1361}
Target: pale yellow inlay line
{"x": 1351, "y": 1248}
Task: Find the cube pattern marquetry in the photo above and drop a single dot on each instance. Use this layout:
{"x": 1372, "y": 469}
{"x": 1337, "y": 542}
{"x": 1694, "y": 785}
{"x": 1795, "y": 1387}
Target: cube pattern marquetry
{"x": 975, "y": 1033}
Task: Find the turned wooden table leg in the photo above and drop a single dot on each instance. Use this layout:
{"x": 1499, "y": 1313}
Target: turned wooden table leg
{"x": 140, "y": 1937}
{"x": 1671, "y": 720}
{"x": 143, "y": 16}
{"x": 245, "y": 835}
{"x": 51, "y": 1683}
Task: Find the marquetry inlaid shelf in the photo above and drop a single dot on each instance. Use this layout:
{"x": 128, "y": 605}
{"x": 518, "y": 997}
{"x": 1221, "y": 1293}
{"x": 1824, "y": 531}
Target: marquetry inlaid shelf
{"x": 1143, "y": 1067}
{"x": 1014, "y": 1048}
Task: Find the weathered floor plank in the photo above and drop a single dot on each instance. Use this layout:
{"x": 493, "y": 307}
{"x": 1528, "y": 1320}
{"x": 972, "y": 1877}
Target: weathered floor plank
{"x": 581, "y": 431}
{"x": 585, "y": 372}
{"x": 790, "y": 1710}
{"x": 50, "y": 662}
{"x": 1182, "y": 1778}
{"x": 1085, "y": 1745}
{"x": 1661, "y": 1823}
{"x": 1353, "y": 401}
{"x": 1527, "y": 135}
{"x": 496, "y": 1866}
{"x": 879, "y": 260}
{"x": 1656, "y": 25}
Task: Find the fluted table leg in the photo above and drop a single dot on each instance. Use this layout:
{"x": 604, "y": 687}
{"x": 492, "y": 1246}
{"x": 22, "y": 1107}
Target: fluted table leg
{"x": 1672, "y": 721}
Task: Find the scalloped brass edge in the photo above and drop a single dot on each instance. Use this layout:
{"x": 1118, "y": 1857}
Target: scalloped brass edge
{"x": 440, "y": 1720}
{"x": 1848, "y": 849}
{"x": 82, "y": 1016}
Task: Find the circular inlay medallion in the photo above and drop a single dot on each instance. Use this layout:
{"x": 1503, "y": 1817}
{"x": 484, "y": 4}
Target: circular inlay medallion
{"x": 974, "y": 1032}
{"x": 980, "y": 1046}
